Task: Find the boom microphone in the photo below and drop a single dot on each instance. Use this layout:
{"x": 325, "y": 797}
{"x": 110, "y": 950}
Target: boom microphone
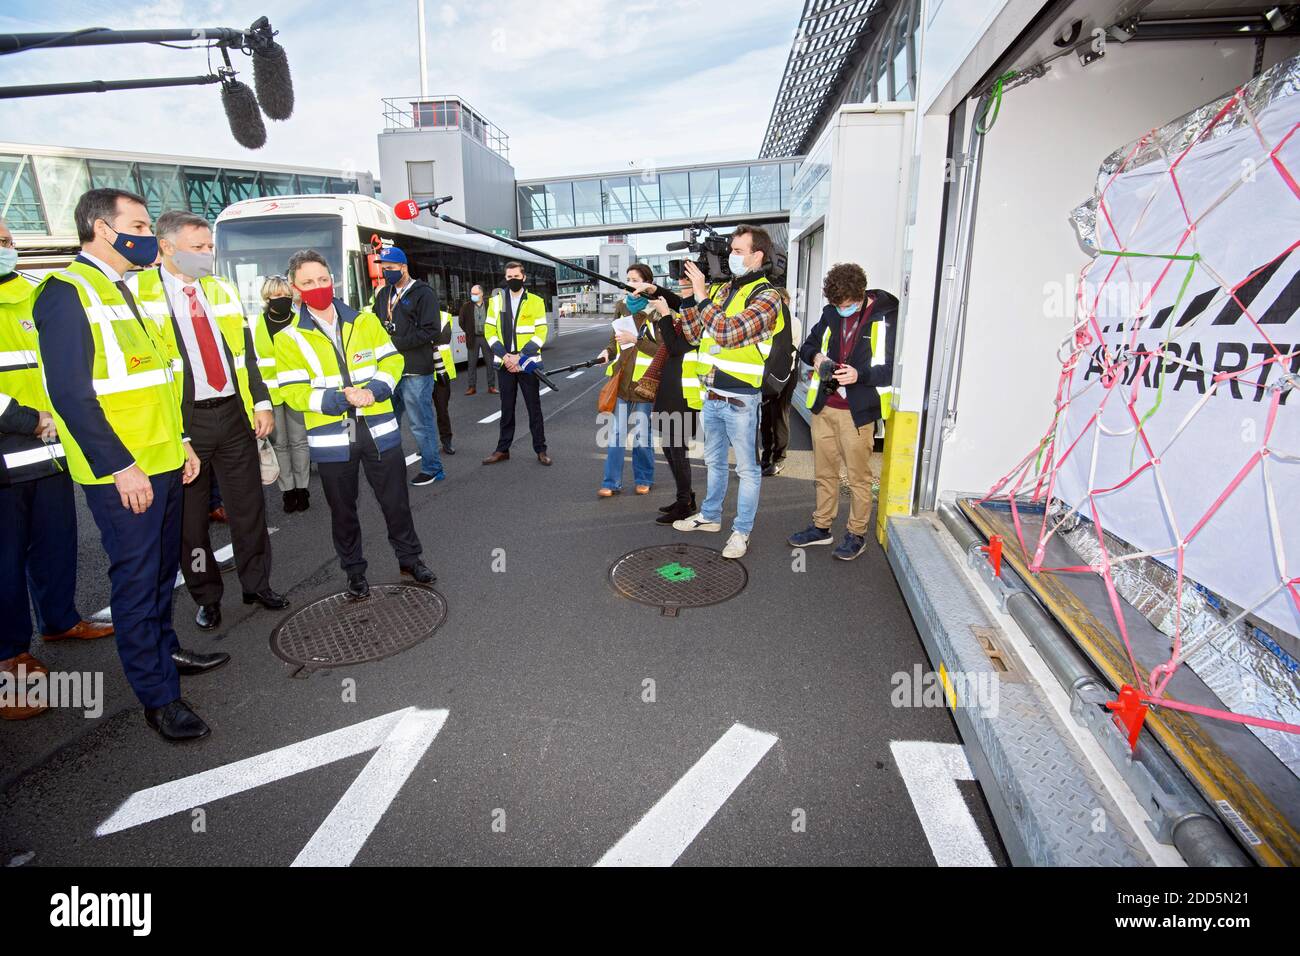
{"x": 409, "y": 208}
{"x": 243, "y": 115}
{"x": 678, "y": 245}
{"x": 273, "y": 81}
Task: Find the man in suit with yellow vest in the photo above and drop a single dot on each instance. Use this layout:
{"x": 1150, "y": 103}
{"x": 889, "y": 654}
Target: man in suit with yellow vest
{"x": 114, "y": 401}
{"x": 734, "y": 324}
{"x": 516, "y": 331}
{"x": 38, "y": 548}
{"x": 225, "y": 409}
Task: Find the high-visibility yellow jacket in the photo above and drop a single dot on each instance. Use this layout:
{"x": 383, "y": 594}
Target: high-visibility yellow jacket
{"x": 530, "y": 325}
{"x": 311, "y": 376}
{"x": 23, "y": 455}
{"x": 223, "y": 300}
{"x": 132, "y": 378}
{"x": 264, "y": 347}
{"x": 741, "y": 365}
{"x": 444, "y": 350}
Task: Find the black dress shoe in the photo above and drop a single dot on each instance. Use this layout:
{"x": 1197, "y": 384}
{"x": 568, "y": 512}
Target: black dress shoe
{"x": 190, "y": 663}
{"x": 304, "y": 498}
{"x": 176, "y": 722}
{"x": 208, "y": 617}
{"x": 448, "y": 450}
{"x": 420, "y": 572}
{"x": 358, "y": 587}
{"x": 289, "y": 501}
{"x": 268, "y": 599}
{"x": 677, "y": 512}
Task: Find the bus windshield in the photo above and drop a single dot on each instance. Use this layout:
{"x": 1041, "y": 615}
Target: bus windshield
{"x": 249, "y": 250}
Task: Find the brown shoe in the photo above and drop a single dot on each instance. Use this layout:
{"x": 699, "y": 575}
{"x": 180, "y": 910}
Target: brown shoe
{"x": 218, "y": 515}
{"x": 496, "y": 456}
{"x": 643, "y": 489}
{"x": 471, "y": 391}
{"x": 493, "y": 390}
{"x": 606, "y": 492}
{"x": 544, "y": 458}
{"x": 82, "y": 631}
{"x": 31, "y": 666}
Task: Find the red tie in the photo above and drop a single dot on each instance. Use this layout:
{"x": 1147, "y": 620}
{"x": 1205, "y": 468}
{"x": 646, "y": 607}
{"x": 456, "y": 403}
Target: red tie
{"x": 212, "y": 367}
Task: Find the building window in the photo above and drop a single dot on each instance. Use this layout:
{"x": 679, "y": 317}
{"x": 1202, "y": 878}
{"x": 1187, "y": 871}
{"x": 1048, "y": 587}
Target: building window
{"x": 21, "y": 207}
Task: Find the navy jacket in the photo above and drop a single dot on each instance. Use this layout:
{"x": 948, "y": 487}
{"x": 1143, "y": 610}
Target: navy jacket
{"x": 864, "y": 402}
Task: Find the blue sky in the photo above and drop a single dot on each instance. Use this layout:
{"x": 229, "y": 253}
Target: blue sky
{"x": 578, "y": 85}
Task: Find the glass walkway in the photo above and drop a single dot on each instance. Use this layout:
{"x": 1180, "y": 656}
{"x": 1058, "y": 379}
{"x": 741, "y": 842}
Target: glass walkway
{"x": 653, "y": 199}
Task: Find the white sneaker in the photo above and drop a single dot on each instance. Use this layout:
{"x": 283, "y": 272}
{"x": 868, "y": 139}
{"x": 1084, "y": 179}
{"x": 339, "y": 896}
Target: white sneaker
{"x": 737, "y": 545}
{"x": 697, "y": 522}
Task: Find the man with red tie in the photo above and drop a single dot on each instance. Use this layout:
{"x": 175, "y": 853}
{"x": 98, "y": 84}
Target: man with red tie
{"x": 225, "y": 410}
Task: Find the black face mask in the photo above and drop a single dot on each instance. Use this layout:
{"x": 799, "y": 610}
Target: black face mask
{"x": 279, "y": 306}
{"x": 514, "y": 285}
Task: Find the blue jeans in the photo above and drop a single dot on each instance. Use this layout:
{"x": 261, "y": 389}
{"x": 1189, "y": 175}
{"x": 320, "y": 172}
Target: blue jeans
{"x": 414, "y": 394}
{"x": 726, "y": 426}
{"x": 631, "y": 425}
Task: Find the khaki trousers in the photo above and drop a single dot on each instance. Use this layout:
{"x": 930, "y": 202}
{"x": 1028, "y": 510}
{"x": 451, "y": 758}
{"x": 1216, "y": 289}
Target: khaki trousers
{"x": 836, "y": 441}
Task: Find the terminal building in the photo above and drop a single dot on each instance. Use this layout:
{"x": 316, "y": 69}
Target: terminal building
{"x": 39, "y": 187}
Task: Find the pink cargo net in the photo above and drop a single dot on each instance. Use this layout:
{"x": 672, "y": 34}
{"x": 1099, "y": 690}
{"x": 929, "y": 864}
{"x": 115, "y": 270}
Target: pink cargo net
{"x": 1035, "y": 476}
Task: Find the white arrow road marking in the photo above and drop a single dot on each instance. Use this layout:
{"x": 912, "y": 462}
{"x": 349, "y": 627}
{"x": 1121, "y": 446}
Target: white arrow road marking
{"x": 669, "y": 827}
{"x": 931, "y": 771}
{"x": 400, "y": 739}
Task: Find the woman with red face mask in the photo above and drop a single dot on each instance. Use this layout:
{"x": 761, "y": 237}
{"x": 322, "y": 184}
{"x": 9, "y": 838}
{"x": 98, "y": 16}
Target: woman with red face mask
{"x": 339, "y": 368}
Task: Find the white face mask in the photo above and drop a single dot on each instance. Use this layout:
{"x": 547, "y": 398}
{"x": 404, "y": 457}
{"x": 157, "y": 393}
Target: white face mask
{"x": 736, "y": 263}
{"x": 8, "y": 261}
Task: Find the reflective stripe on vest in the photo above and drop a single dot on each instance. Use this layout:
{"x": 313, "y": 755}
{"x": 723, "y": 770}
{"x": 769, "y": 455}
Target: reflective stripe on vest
{"x": 815, "y": 382}
{"x": 264, "y": 348}
{"x": 886, "y": 392}
{"x": 131, "y": 378}
{"x": 744, "y": 364}
{"x": 444, "y": 351}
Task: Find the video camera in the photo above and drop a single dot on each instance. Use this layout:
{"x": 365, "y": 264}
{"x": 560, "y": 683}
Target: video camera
{"x": 702, "y": 240}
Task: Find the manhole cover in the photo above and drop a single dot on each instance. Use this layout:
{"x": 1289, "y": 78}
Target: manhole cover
{"x": 673, "y": 576}
{"x": 335, "y": 631}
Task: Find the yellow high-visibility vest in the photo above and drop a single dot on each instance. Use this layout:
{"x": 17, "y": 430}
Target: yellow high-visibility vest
{"x": 131, "y": 377}
{"x": 530, "y": 323}
{"x": 223, "y": 300}
{"x": 746, "y": 363}
{"x": 310, "y": 377}
{"x": 444, "y": 351}
{"x": 25, "y": 456}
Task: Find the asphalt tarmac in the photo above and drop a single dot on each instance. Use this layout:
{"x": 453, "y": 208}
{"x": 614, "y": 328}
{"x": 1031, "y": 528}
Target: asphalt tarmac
{"x": 549, "y": 720}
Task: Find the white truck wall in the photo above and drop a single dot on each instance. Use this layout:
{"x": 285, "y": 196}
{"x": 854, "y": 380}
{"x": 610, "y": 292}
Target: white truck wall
{"x": 1040, "y": 161}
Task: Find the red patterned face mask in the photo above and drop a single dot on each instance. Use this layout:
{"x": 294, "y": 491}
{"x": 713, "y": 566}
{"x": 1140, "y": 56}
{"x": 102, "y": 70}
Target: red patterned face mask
{"x": 318, "y": 299}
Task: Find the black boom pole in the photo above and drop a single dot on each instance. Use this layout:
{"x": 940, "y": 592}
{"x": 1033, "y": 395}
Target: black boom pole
{"x": 536, "y": 252}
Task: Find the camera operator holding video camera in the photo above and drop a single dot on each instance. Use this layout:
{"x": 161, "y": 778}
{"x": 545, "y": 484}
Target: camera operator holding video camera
{"x": 734, "y": 322}
{"x": 851, "y": 351}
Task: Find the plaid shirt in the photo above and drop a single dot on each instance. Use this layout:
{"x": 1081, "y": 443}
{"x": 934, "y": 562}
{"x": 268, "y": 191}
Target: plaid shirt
{"x": 753, "y": 324}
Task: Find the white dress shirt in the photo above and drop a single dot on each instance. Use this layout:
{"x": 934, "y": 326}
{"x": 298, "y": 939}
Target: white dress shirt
{"x": 175, "y": 289}
{"x": 104, "y": 267}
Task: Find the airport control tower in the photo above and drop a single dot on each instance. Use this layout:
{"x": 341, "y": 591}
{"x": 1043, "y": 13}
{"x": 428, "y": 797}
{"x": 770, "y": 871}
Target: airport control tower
{"x": 440, "y": 146}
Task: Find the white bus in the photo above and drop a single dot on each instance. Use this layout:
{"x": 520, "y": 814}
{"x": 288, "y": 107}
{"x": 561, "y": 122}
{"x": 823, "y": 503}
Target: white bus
{"x": 255, "y": 237}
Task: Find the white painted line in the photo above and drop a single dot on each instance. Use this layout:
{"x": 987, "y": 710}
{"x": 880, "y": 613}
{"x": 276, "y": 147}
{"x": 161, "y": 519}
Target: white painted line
{"x": 340, "y": 838}
{"x": 931, "y": 771}
{"x": 575, "y": 374}
{"x": 544, "y": 390}
{"x": 401, "y": 739}
{"x": 413, "y": 457}
{"x": 491, "y": 418}
{"x": 668, "y": 828}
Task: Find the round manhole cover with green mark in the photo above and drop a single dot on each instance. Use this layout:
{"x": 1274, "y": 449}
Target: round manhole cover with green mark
{"x": 674, "y": 576}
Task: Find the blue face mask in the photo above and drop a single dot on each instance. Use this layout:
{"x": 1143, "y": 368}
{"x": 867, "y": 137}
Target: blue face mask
{"x": 392, "y": 276}
{"x": 8, "y": 261}
{"x": 635, "y": 303}
{"x": 846, "y": 310}
{"x": 137, "y": 250}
